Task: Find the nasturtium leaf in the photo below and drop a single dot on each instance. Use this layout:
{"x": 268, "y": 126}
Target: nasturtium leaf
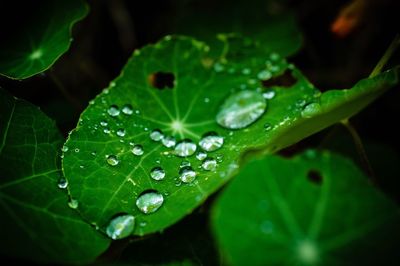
{"x": 269, "y": 22}
{"x": 317, "y": 208}
{"x": 39, "y": 35}
{"x": 166, "y": 100}
{"x": 36, "y": 222}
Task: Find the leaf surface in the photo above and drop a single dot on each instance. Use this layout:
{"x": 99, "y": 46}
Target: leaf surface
{"x": 36, "y": 220}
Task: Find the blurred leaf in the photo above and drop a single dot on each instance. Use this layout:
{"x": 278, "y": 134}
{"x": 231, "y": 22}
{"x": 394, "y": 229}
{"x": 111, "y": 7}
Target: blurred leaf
{"x": 313, "y": 209}
{"x": 176, "y": 86}
{"x": 39, "y": 37}
{"x": 37, "y": 223}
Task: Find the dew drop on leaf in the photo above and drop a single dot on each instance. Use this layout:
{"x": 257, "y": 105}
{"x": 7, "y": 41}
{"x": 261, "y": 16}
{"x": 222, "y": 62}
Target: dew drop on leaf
{"x": 184, "y": 164}
{"x": 127, "y": 109}
{"x": 73, "y": 203}
{"x": 270, "y": 94}
{"x": 169, "y": 141}
{"x": 264, "y": 75}
{"x": 103, "y": 123}
{"x": 113, "y": 111}
{"x": 267, "y": 126}
{"x": 185, "y": 148}
{"x": 310, "y": 110}
{"x": 149, "y": 202}
{"x": 121, "y": 132}
{"x": 156, "y": 135}
{"x": 211, "y": 142}
{"x": 106, "y": 130}
{"x": 121, "y": 226}
{"x": 62, "y": 183}
{"x": 187, "y": 174}
{"x": 201, "y": 155}
{"x": 241, "y": 109}
{"x": 137, "y": 150}
{"x": 209, "y": 164}
{"x": 157, "y": 173}
{"x": 112, "y": 160}
{"x": 64, "y": 149}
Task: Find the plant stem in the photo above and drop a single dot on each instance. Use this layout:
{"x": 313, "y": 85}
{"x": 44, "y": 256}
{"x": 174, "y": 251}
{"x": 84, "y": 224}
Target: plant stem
{"x": 386, "y": 56}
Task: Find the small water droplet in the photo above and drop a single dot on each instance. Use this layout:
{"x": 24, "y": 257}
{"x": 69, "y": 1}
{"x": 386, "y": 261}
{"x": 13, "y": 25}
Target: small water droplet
{"x": 185, "y": 148}
{"x": 201, "y": 155}
{"x": 157, "y": 173}
{"x": 246, "y": 71}
{"x": 185, "y": 164}
{"x": 267, "y": 126}
{"x": 121, "y": 132}
{"x": 264, "y": 75}
{"x": 73, "y": 203}
{"x": 77, "y": 150}
{"x": 137, "y": 150}
{"x": 103, "y": 123}
{"x": 187, "y": 174}
{"x": 156, "y": 135}
{"x": 270, "y": 94}
{"x": 206, "y": 100}
{"x": 209, "y": 164}
{"x": 121, "y": 226}
{"x": 62, "y": 183}
{"x": 149, "y": 202}
{"x": 64, "y": 149}
{"x": 93, "y": 153}
{"x": 274, "y": 56}
{"x": 81, "y": 166}
{"x": 127, "y": 109}
{"x": 241, "y": 109}
{"x": 211, "y": 142}
{"x": 301, "y": 103}
{"x": 169, "y": 141}
{"x": 112, "y": 160}
{"x": 310, "y": 110}
{"x": 218, "y": 67}
{"x": 106, "y": 130}
{"x": 137, "y": 112}
{"x": 113, "y": 110}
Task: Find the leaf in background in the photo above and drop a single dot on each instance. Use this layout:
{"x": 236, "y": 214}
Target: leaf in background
{"x": 36, "y": 222}
{"x": 123, "y": 165}
{"x": 313, "y": 209}
{"x": 267, "y": 21}
{"x": 40, "y": 34}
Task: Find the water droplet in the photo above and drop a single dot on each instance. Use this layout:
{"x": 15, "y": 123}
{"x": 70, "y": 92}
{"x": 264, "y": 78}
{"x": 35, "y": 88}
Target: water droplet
{"x": 156, "y": 135}
{"x": 211, "y": 142}
{"x": 112, "y": 160}
{"x": 103, "y": 123}
{"x": 121, "y": 132}
{"x": 149, "y": 202}
{"x": 241, "y": 109}
{"x": 113, "y": 111}
{"x": 121, "y": 226}
{"x": 246, "y": 71}
{"x": 270, "y": 94}
{"x": 157, "y": 173}
{"x": 169, "y": 141}
{"x": 127, "y": 109}
{"x": 310, "y": 110}
{"x": 137, "y": 112}
{"x": 73, "y": 203}
{"x": 62, "y": 183}
{"x": 185, "y": 148}
{"x": 185, "y": 164}
{"x": 77, "y": 150}
{"x": 209, "y": 164}
{"x": 301, "y": 103}
{"x": 218, "y": 67}
{"x": 206, "y": 100}
{"x": 264, "y": 75}
{"x": 137, "y": 150}
{"x": 106, "y": 130}
{"x": 187, "y": 174}
{"x": 64, "y": 149}
{"x": 267, "y": 126}
{"x": 93, "y": 153}
{"x": 201, "y": 155}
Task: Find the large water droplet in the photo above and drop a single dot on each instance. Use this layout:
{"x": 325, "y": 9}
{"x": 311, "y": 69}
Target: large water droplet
{"x": 168, "y": 141}
{"x": 187, "y": 174}
{"x": 121, "y": 226}
{"x": 62, "y": 183}
{"x": 185, "y": 148}
{"x": 310, "y": 110}
{"x": 241, "y": 109}
{"x": 103, "y": 123}
{"x": 211, "y": 142}
{"x": 209, "y": 164}
{"x": 137, "y": 150}
{"x": 127, "y": 109}
{"x": 156, "y": 135}
{"x": 201, "y": 155}
{"x": 113, "y": 111}
{"x": 157, "y": 173}
{"x": 149, "y": 202}
{"x": 112, "y": 160}
{"x": 121, "y": 132}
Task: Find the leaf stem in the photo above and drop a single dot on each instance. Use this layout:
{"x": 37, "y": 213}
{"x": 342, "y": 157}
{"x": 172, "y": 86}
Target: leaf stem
{"x": 386, "y": 56}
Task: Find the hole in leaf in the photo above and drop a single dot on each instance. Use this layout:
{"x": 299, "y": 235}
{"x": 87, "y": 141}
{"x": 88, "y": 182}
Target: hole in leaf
{"x": 162, "y": 80}
{"x": 315, "y": 177}
{"x": 286, "y": 79}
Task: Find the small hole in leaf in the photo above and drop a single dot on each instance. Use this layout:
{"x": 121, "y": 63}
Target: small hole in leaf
{"x": 162, "y": 80}
{"x": 315, "y": 177}
{"x": 286, "y": 79}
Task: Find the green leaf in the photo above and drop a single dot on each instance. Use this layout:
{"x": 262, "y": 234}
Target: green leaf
{"x": 313, "y": 209}
{"x": 267, "y": 21}
{"x": 38, "y": 38}
{"x": 107, "y": 177}
{"x": 37, "y": 223}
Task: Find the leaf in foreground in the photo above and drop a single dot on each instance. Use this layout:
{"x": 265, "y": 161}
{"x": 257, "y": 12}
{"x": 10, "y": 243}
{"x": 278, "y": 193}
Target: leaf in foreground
{"x": 313, "y": 209}
{"x": 39, "y": 37}
{"x": 36, "y": 222}
{"x": 170, "y": 130}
